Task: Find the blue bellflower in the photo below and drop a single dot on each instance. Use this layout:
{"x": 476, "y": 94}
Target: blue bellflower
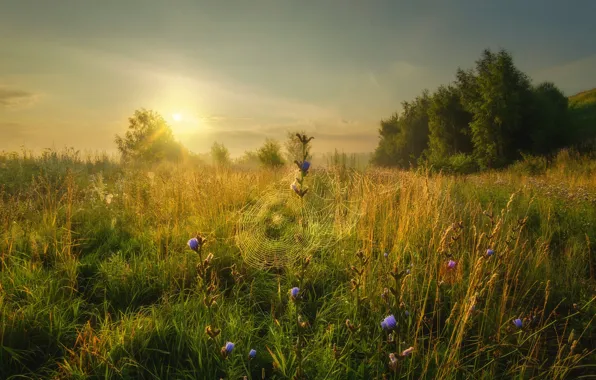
{"x": 193, "y": 244}
{"x": 389, "y": 323}
{"x": 305, "y": 166}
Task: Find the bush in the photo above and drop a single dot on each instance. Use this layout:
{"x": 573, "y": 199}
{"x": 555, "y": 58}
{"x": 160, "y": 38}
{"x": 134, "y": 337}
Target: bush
{"x": 530, "y": 165}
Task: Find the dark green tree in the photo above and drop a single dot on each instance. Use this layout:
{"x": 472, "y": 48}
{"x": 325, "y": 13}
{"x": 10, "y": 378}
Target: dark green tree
{"x": 404, "y": 137}
{"x": 149, "y": 139}
{"x": 448, "y": 124}
{"x": 499, "y": 97}
{"x": 550, "y": 129}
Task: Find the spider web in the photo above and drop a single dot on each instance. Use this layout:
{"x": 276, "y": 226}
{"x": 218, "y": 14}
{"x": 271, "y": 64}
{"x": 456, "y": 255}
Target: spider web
{"x": 280, "y": 227}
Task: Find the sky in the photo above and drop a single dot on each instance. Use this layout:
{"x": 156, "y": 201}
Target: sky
{"x": 238, "y": 72}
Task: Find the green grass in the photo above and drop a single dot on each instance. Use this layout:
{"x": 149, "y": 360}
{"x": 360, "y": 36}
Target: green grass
{"x": 98, "y": 289}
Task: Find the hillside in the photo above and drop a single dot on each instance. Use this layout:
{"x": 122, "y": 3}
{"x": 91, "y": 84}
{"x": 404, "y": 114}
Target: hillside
{"x": 582, "y": 107}
{"x": 583, "y": 99}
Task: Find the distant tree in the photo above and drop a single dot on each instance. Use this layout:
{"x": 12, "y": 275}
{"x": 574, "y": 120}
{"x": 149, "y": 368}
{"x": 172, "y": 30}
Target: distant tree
{"x": 220, "y": 154}
{"x": 270, "y": 154}
{"x": 149, "y": 139}
{"x": 250, "y": 159}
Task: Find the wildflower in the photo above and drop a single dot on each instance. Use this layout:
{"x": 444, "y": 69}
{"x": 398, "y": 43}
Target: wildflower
{"x": 389, "y": 323}
{"x": 451, "y": 264}
{"x": 193, "y": 244}
{"x": 294, "y": 187}
{"x": 392, "y": 362}
{"x": 294, "y": 292}
{"x": 305, "y": 166}
{"x": 407, "y": 271}
{"x": 386, "y": 254}
{"x": 518, "y": 323}
{"x": 252, "y": 354}
{"x": 212, "y": 332}
{"x": 385, "y": 294}
{"x": 407, "y": 351}
{"x": 490, "y": 252}
{"x": 351, "y": 326}
{"x": 227, "y": 349}
{"x": 196, "y": 243}
{"x": 407, "y": 313}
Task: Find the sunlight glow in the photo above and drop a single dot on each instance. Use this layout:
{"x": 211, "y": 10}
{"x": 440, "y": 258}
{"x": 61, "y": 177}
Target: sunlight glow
{"x": 177, "y": 117}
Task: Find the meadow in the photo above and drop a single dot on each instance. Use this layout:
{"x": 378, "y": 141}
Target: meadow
{"x": 400, "y": 274}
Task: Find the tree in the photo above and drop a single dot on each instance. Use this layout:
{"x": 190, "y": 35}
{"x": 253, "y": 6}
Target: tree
{"x": 550, "y": 125}
{"x": 499, "y": 97}
{"x": 220, "y": 154}
{"x": 249, "y": 159}
{"x": 404, "y": 137}
{"x": 448, "y": 124}
{"x": 270, "y": 154}
{"x": 148, "y": 139}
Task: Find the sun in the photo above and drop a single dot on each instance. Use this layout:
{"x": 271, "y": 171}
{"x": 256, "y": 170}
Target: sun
{"x": 177, "y": 117}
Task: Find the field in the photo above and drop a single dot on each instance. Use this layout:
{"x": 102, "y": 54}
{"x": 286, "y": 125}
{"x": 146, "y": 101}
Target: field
{"x": 97, "y": 279}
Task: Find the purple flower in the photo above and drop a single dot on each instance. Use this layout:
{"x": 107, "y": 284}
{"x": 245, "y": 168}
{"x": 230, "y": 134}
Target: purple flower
{"x": 252, "y": 353}
{"x": 407, "y": 313}
{"x": 389, "y": 323}
{"x": 518, "y": 323}
{"x": 386, "y": 254}
{"x": 294, "y": 187}
{"x": 229, "y": 347}
{"x": 294, "y": 292}
{"x": 305, "y": 166}
{"x": 451, "y": 264}
{"x": 193, "y": 244}
{"x": 490, "y": 252}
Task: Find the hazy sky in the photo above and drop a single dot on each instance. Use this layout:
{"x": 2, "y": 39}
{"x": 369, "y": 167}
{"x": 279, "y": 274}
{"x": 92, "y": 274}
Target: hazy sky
{"x": 72, "y": 71}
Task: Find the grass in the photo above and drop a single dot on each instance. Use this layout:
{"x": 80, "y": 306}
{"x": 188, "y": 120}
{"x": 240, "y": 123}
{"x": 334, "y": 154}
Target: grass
{"x": 94, "y": 285}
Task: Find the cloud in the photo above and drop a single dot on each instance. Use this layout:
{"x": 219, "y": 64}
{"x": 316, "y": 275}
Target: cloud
{"x": 12, "y": 98}
{"x": 572, "y": 77}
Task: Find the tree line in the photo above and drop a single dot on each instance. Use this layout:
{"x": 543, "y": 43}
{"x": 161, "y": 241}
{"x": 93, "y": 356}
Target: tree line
{"x": 149, "y": 139}
{"x": 489, "y": 117}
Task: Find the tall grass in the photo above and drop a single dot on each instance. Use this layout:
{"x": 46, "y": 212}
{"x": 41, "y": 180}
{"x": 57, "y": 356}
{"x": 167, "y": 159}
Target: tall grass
{"x": 96, "y": 279}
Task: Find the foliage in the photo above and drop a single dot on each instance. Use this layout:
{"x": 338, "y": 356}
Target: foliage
{"x": 149, "y": 139}
{"x": 270, "y": 154}
{"x": 491, "y": 113}
{"x": 448, "y": 125}
{"x": 250, "y": 159}
{"x": 403, "y": 137}
{"x": 96, "y": 280}
{"x": 220, "y": 154}
{"x": 582, "y": 110}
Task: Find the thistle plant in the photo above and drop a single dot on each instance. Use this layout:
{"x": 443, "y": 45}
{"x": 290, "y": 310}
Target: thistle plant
{"x": 300, "y": 189}
{"x": 303, "y": 166}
